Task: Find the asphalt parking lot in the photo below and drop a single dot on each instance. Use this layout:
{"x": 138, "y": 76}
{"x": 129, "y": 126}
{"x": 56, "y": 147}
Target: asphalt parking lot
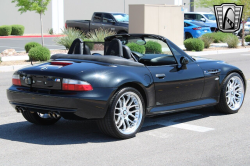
{"x": 19, "y": 43}
{"x": 195, "y": 137}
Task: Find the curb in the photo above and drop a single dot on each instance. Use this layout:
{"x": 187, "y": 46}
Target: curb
{"x": 29, "y": 36}
{"x": 218, "y": 52}
{"x": 14, "y": 58}
{"x": 11, "y": 68}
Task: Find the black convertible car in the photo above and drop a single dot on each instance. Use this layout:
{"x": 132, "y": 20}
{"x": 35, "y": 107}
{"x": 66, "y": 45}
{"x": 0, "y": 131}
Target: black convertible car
{"x": 121, "y": 87}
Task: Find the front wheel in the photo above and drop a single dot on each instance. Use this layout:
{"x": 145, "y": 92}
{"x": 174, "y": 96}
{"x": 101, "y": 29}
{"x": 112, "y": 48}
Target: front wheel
{"x": 125, "y": 115}
{"x": 232, "y": 94}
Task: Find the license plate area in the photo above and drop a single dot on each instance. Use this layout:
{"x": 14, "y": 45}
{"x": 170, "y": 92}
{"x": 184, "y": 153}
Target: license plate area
{"x": 46, "y": 82}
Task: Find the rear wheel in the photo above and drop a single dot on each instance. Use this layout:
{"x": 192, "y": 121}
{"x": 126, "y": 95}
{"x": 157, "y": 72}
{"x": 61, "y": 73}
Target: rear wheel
{"x": 188, "y": 35}
{"x": 232, "y": 94}
{"x": 40, "y": 118}
{"x": 125, "y": 115}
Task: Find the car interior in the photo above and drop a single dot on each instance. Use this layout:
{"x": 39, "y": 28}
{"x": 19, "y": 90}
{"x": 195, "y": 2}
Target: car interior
{"x": 118, "y": 47}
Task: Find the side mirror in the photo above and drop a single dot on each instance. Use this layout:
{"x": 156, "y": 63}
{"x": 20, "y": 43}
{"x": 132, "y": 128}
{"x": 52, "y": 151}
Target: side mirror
{"x": 203, "y": 19}
{"x": 184, "y": 61}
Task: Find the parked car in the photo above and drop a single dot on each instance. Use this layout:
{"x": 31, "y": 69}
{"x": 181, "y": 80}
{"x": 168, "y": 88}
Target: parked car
{"x": 115, "y": 21}
{"x": 246, "y": 29}
{"x": 122, "y": 87}
{"x": 208, "y": 18}
{"x": 195, "y": 29}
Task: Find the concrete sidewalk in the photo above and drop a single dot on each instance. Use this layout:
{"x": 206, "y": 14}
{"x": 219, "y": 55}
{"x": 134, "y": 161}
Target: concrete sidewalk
{"x": 26, "y": 57}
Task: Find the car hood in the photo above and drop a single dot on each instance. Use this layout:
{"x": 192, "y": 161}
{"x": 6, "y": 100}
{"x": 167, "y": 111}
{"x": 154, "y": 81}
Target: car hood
{"x": 211, "y": 23}
{"x": 207, "y": 64}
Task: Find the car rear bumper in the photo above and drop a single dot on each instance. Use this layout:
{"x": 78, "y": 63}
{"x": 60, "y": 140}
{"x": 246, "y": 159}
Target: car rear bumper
{"x": 89, "y": 105}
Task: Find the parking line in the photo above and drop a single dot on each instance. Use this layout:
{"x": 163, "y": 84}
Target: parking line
{"x": 192, "y": 127}
{"x": 170, "y": 122}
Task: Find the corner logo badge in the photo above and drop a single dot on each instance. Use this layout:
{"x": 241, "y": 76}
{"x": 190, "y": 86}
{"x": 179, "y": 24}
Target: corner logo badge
{"x": 228, "y": 16}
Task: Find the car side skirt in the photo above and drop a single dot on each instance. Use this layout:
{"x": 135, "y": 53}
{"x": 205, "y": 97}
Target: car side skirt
{"x": 182, "y": 106}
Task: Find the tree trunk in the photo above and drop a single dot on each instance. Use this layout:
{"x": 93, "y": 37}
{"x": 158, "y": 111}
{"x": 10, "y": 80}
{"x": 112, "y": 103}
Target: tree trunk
{"x": 243, "y": 33}
{"x": 42, "y": 28}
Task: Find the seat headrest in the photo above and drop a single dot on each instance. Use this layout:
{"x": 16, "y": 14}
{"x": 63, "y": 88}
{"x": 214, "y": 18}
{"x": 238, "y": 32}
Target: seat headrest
{"x": 126, "y": 52}
{"x": 114, "y": 48}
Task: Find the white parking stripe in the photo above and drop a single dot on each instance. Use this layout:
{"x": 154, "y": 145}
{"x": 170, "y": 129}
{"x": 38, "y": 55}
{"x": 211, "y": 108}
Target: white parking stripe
{"x": 170, "y": 121}
{"x": 192, "y": 127}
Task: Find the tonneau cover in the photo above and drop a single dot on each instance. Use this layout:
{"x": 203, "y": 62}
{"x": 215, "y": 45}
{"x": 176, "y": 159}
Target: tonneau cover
{"x": 106, "y": 59}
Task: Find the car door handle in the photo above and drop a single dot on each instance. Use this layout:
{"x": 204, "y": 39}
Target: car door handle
{"x": 160, "y": 75}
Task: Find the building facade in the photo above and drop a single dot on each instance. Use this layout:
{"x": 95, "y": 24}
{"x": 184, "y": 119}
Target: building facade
{"x": 61, "y": 10}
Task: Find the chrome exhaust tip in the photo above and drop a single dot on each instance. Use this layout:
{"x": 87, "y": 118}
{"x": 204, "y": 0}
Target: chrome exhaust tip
{"x": 17, "y": 109}
{"x": 21, "y": 110}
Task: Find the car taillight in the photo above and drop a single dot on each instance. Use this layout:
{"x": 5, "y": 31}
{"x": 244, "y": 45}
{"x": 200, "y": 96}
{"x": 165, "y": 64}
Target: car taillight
{"x": 16, "y": 79}
{"x": 197, "y": 28}
{"x": 66, "y": 26}
{"x": 60, "y": 63}
{"x": 76, "y": 85}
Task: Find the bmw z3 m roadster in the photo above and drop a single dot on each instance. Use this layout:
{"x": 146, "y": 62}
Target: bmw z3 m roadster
{"x": 136, "y": 75}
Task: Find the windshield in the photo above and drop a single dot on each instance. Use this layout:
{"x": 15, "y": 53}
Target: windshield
{"x": 210, "y": 16}
{"x": 121, "y": 17}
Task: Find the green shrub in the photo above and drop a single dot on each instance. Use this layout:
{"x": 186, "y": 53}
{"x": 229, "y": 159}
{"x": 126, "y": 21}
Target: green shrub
{"x": 5, "y": 30}
{"x": 70, "y": 35}
{"x": 39, "y": 53}
{"x": 247, "y": 38}
{"x": 51, "y": 31}
{"x": 207, "y": 39}
{"x": 153, "y": 47}
{"x": 194, "y": 44}
{"x": 99, "y": 34}
{"x": 232, "y": 41}
{"x": 136, "y": 47}
{"x": 17, "y": 30}
{"x": 220, "y": 37}
{"x": 89, "y": 43}
{"x": 30, "y": 45}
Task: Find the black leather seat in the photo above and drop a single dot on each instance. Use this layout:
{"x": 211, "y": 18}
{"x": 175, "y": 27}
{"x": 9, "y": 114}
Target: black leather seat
{"x": 126, "y": 52}
{"x": 114, "y": 48}
{"x": 78, "y": 47}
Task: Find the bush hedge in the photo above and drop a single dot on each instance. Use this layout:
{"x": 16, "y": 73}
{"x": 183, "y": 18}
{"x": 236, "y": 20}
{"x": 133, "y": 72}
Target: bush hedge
{"x": 220, "y": 37}
{"x": 89, "y": 43}
{"x": 17, "y": 30}
{"x": 39, "y": 54}
{"x": 5, "y": 30}
{"x": 207, "y": 39}
{"x": 30, "y": 45}
{"x": 247, "y": 38}
{"x": 232, "y": 41}
{"x": 136, "y": 47}
{"x": 153, "y": 47}
{"x": 194, "y": 44}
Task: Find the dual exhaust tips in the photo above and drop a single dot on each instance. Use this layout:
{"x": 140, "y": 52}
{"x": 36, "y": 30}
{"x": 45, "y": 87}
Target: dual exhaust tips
{"x": 53, "y": 115}
{"x": 20, "y": 109}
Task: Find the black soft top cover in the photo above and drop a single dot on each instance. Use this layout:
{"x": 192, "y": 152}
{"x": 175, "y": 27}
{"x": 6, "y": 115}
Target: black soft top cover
{"x": 106, "y": 59}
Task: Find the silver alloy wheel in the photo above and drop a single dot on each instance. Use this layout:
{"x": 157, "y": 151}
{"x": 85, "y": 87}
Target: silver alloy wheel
{"x": 128, "y": 113}
{"x": 235, "y": 93}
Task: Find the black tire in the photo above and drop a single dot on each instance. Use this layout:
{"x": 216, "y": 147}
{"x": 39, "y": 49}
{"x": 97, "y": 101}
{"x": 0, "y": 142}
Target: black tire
{"x": 188, "y": 35}
{"x": 107, "y": 124}
{"x": 33, "y": 117}
{"x": 222, "y": 106}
